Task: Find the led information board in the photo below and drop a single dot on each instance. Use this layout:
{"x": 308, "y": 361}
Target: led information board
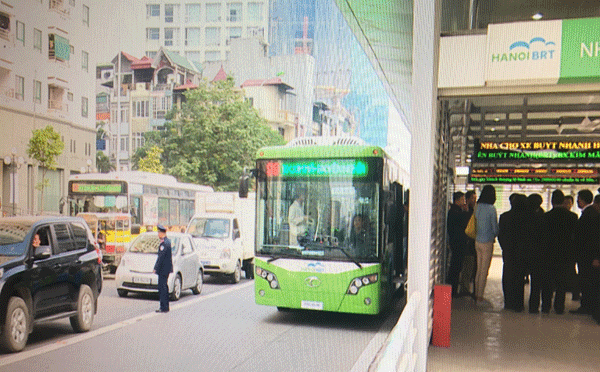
{"x": 537, "y": 151}
{"x": 535, "y": 175}
{"x": 81, "y": 187}
{"x": 317, "y": 168}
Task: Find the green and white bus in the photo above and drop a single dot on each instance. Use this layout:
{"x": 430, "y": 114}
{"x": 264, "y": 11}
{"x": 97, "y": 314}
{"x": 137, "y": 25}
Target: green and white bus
{"x": 330, "y": 226}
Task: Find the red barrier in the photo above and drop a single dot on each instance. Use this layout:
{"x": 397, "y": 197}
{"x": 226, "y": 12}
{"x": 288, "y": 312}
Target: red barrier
{"x": 442, "y": 314}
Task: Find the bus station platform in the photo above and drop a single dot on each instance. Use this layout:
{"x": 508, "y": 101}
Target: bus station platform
{"x": 489, "y": 338}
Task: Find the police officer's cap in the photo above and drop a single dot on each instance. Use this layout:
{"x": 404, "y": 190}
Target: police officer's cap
{"x": 161, "y": 228}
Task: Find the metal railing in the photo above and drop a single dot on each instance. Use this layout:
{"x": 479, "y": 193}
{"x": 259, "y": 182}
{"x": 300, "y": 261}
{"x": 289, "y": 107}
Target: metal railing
{"x": 399, "y": 353}
{"x": 58, "y": 6}
{"x": 58, "y": 105}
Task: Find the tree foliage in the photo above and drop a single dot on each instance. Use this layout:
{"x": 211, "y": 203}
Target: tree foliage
{"x": 44, "y": 147}
{"x": 151, "y": 162}
{"x": 103, "y": 163}
{"x": 213, "y": 137}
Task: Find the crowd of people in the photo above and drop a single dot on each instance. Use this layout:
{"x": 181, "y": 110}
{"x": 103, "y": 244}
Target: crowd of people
{"x": 556, "y": 252}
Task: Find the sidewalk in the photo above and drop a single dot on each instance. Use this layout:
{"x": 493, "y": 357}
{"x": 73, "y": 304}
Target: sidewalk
{"x": 493, "y": 339}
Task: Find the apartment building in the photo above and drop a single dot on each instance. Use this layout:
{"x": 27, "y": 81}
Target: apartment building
{"x": 46, "y": 78}
{"x": 202, "y": 30}
{"x": 134, "y": 96}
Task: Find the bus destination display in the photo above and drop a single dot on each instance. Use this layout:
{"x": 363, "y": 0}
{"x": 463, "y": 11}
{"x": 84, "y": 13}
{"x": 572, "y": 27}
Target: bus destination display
{"x": 98, "y": 188}
{"x": 519, "y": 151}
{"x": 312, "y": 168}
{"x": 535, "y": 175}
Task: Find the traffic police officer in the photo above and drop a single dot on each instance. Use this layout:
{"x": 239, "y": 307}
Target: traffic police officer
{"x": 163, "y": 267}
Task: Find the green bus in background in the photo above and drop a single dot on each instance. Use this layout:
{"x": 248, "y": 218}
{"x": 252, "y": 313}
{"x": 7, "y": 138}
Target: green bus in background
{"x": 330, "y": 226}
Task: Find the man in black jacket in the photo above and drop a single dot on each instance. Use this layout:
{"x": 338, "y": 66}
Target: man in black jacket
{"x": 163, "y": 267}
{"x": 586, "y": 248}
{"x": 559, "y": 224}
{"x": 456, "y": 224}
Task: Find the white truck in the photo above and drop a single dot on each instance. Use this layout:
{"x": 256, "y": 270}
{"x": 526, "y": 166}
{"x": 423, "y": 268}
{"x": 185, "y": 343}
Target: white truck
{"x": 223, "y": 229}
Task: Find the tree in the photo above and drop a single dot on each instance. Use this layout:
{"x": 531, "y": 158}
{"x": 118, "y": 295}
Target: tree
{"x": 151, "y": 162}
{"x": 103, "y": 163}
{"x": 45, "y": 146}
{"x": 213, "y": 137}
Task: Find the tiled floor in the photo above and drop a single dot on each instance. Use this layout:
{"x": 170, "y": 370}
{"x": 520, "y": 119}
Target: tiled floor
{"x": 493, "y": 339}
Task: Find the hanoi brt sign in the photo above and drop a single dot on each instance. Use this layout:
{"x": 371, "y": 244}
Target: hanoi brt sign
{"x": 543, "y": 52}
{"x": 537, "y": 151}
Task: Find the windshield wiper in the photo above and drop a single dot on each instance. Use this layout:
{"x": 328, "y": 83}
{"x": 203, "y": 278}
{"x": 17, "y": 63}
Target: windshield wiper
{"x": 321, "y": 245}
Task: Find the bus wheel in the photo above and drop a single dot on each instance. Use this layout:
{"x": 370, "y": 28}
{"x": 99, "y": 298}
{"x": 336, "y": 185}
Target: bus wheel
{"x": 249, "y": 270}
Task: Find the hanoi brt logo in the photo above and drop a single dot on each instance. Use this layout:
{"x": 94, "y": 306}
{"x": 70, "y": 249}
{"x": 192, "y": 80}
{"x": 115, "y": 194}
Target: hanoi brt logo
{"x": 535, "y": 49}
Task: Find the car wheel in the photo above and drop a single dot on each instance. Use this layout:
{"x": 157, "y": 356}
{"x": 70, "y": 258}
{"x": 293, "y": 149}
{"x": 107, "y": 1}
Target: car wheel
{"x": 199, "y": 282}
{"x": 16, "y": 326}
{"x": 82, "y": 322}
{"x": 237, "y": 274}
{"x": 122, "y": 292}
{"x": 176, "y": 294}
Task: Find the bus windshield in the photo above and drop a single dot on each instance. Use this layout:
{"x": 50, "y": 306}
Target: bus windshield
{"x": 331, "y": 218}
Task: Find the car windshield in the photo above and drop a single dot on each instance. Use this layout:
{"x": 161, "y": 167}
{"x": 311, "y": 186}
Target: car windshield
{"x": 209, "y": 228}
{"x": 12, "y": 233}
{"x": 149, "y": 243}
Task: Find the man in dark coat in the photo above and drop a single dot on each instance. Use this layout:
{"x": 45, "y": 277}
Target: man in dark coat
{"x": 456, "y": 224}
{"x": 510, "y": 236}
{"x": 559, "y": 224}
{"x": 586, "y": 245}
{"x": 163, "y": 267}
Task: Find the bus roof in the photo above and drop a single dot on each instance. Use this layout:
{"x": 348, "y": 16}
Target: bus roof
{"x": 144, "y": 178}
{"x": 322, "y": 147}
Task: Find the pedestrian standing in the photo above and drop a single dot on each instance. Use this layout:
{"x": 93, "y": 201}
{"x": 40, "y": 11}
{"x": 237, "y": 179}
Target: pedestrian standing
{"x": 163, "y": 267}
{"x": 469, "y": 268}
{"x": 487, "y": 230}
{"x": 456, "y": 224}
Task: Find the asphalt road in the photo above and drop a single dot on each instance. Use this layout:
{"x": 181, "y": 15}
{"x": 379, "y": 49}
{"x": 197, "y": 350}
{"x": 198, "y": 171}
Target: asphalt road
{"x": 222, "y": 329}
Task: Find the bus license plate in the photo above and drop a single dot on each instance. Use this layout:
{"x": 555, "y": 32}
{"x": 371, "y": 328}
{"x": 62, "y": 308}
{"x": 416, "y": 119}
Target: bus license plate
{"x": 141, "y": 280}
{"x": 312, "y": 305}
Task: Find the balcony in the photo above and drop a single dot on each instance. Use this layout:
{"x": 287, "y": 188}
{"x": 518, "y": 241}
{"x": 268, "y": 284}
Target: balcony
{"x": 5, "y": 34}
{"x": 7, "y": 92}
{"x": 57, "y": 105}
{"x": 58, "y": 7}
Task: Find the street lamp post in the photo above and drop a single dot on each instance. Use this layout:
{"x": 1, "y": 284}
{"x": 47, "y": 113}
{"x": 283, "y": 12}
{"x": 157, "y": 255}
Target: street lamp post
{"x": 16, "y": 164}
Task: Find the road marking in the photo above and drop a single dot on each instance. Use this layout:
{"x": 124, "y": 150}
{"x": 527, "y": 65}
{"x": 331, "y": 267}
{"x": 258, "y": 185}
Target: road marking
{"x": 13, "y": 358}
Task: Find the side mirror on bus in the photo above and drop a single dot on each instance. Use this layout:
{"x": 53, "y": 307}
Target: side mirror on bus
{"x": 244, "y": 185}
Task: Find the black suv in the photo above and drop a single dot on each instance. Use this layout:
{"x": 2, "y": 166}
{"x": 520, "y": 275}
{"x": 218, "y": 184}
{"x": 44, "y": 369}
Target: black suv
{"x": 50, "y": 268}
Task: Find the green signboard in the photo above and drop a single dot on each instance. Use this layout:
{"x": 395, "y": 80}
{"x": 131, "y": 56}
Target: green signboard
{"x": 580, "y": 57}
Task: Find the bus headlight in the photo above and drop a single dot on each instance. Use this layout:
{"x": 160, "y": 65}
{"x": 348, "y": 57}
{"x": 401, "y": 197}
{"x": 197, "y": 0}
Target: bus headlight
{"x": 361, "y": 281}
{"x": 268, "y": 276}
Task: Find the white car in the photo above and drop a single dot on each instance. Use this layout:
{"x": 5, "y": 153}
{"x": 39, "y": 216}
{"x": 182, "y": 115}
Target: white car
{"x": 135, "y": 272}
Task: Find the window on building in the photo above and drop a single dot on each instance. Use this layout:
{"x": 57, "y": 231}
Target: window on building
{"x": 255, "y": 12}
{"x": 256, "y": 31}
{"x": 213, "y": 36}
{"x": 86, "y": 15}
{"x": 59, "y": 48}
{"x": 84, "y": 60}
{"x": 171, "y": 13}
{"x": 234, "y": 33}
{"x": 234, "y": 12}
{"x": 70, "y": 97}
{"x": 152, "y": 33}
{"x": 4, "y": 26}
{"x": 37, "y": 39}
{"x": 152, "y": 11}
{"x": 151, "y": 54}
{"x": 21, "y": 32}
{"x": 171, "y": 36}
{"x": 84, "y": 107}
{"x": 142, "y": 109}
{"x": 192, "y": 13}
{"x": 212, "y": 56}
{"x": 37, "y": 91}
{"x": 213, "y": 12}
{"x": 19, "y": 87}
{"x": 192, "y": 36}
{"x": 194, "y": 56}
{"x": 72, "y": 2}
